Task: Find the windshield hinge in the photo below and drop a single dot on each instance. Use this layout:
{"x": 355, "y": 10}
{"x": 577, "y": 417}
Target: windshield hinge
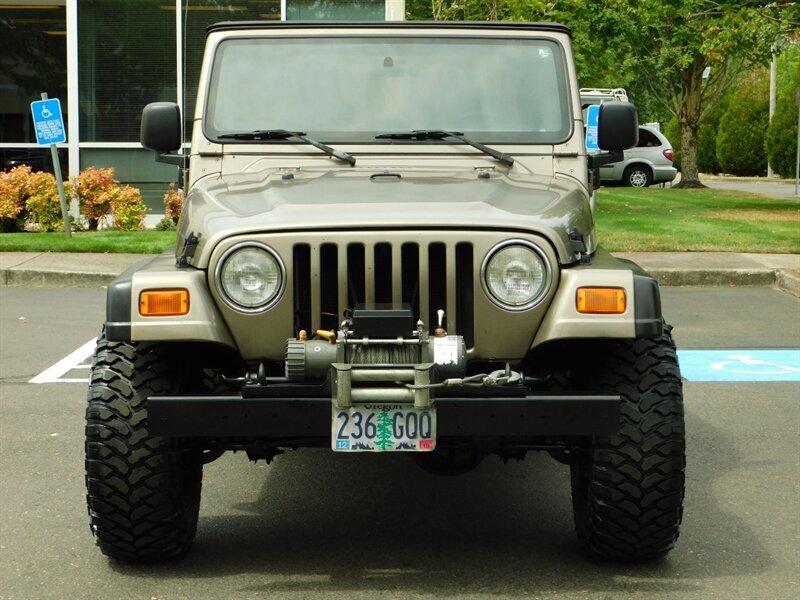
{"x": 189, "y": 246}
{"x": 579, "y": 246}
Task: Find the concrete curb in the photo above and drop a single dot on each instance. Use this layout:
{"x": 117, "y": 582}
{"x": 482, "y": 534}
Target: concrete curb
{"x": 33, "y": 278}
{"x": 714, "y": 278}
{"x": 63, "y": 269}
{"x": 782, "y": 280}
{"x": 788, "y": 281}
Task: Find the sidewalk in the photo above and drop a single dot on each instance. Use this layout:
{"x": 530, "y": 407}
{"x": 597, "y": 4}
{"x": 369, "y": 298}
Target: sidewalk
{"x": 776, "y": 188}
{"x": 61, "y": 269}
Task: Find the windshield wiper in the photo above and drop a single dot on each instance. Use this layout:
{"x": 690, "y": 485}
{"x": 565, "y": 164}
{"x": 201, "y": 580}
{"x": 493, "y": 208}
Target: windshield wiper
{"x": 283, "y": 134}
{"x": 420, "y": 135}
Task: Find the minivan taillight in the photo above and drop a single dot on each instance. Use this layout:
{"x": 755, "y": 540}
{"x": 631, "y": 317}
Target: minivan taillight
{"x": 668, "y": 153}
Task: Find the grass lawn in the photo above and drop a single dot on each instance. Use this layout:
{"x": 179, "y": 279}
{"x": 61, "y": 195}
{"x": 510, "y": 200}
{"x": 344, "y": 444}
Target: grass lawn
{"x": 628, "y": 220}
{"x": 134, "y": 242}
{"x": 676, "y": 220}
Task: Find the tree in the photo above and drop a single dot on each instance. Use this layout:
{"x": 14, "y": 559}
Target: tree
{"x": 781, "y": 143}
{"x": 596, "y": 58}
{"x": 689, "y": 52}
{"x": 707, "y": 137}
{"x": 740, "y": 141}
{"x": 661, "y": 47}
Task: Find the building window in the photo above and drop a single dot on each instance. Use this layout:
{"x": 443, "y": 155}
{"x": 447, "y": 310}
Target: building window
{"x": 335, "y": 10}
{"x": 197, "y": 16}
{"x": 127, "y": 59}
{"x": 33, "y": 59}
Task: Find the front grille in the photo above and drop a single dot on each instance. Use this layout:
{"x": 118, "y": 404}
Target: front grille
{"x": 330, "y": 278}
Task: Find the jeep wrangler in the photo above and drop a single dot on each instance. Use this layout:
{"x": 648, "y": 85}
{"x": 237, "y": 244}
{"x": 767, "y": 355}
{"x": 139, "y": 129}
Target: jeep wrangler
{"x": 387, "y": 245}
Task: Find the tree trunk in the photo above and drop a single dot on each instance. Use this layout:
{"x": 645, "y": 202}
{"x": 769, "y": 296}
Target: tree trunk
{"x": 690, "y": 176}
{"x": 689, "y": 120}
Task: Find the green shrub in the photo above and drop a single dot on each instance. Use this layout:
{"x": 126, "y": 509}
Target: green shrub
{"x": 165, "y": 225}
{"x": 742, "y": 129}
{"x": 707, "y": 160}
{"x": 127, "y": 208}
{"x": 173, "y": 203}
{"x": 14, "y": 191}
{"x": 93, "y": 188}
{"x": 781, "y": 141}
{"x": 43, "y": 203}
{"x": 29, "y": 197}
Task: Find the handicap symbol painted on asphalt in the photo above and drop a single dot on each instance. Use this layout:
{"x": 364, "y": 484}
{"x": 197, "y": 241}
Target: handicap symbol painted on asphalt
{"x": 740, "y": 365}
{"x": 746, "y": 364}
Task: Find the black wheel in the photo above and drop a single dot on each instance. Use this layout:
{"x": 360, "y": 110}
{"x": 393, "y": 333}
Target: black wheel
{"x": 627, "y": 489}
{"x": 143, "y": 491}
{"x": 637, "y": 176}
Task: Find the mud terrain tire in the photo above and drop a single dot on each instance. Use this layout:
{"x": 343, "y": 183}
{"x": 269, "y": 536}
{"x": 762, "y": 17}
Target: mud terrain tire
{"x": 627, "y": 490}
{"x": 143, "y": 491}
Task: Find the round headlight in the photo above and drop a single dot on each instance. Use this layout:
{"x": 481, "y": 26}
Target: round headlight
{"x": 516, "y": 275}
{"x": 250, "y": 276}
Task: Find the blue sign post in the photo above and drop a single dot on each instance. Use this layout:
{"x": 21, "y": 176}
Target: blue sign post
{"x": 49, "y": 126}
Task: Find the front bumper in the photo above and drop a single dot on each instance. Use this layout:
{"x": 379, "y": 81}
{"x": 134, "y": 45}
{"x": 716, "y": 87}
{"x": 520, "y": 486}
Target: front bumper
{"x": 235, "y": 416}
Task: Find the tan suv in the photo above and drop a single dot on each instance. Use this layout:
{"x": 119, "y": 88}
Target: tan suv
{"x": 387, "y": 245}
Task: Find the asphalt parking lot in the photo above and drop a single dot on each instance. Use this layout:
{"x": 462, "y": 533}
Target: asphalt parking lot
{"x": 315, "y": 525}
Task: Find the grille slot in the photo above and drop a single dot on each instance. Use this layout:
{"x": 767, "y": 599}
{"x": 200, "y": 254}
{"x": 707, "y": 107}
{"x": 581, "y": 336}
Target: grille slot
{"x": 329, "y": 302}
{"x": 437, "y": 284}
{"x": 427, "y": 276}
{"x": 302, "y": 286}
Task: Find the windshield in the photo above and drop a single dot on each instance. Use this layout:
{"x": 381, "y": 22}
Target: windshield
{"x": 350, "y": 89}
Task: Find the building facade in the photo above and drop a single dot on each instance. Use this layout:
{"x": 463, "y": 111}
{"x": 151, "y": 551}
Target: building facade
{"x": 106, "y": 59}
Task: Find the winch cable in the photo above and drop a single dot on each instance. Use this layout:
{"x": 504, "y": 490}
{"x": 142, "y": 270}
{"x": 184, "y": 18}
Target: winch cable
{"x": 479, "y": 380}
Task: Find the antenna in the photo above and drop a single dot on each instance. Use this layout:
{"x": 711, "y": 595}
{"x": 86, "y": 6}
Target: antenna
{"x": 183, "y": 73}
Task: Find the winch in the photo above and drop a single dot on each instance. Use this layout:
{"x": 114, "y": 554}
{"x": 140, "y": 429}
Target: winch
{"x": 378, "y": 355}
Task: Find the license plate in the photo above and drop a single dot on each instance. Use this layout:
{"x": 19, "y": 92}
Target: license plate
{"x": 383, "y": 428}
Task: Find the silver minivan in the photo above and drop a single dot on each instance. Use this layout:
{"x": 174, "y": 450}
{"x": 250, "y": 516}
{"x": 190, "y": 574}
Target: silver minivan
{"x": 648, "y": 163}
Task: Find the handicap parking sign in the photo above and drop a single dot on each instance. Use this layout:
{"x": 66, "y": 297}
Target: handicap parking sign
{"x": 592, "y": 123}
{"x": 48, "y": 122}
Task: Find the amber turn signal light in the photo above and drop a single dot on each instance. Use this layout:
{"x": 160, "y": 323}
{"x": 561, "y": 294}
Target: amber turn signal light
{"x": 601, "y": 301}
{"x": 164, "y": 303}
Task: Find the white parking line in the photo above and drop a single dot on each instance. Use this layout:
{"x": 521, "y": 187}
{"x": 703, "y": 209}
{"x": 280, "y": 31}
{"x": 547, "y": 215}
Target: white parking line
{"x": 75, "y": 360}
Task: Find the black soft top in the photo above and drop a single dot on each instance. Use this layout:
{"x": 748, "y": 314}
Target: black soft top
{"x": 460, "y": 25}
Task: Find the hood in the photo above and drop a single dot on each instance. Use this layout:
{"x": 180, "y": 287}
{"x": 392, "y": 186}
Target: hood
{"x": 353, "y": 199}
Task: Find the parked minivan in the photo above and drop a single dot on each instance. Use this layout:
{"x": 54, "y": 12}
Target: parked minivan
{"x": 648, "y": 163}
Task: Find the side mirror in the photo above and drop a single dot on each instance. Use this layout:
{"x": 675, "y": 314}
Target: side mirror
{"x": 618, "y": 126}
{"x": 161, "y": 127}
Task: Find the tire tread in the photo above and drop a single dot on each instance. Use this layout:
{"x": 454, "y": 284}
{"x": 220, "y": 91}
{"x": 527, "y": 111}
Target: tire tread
{"x": 628, "y": 494}
{"x": 143, "y": 491}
